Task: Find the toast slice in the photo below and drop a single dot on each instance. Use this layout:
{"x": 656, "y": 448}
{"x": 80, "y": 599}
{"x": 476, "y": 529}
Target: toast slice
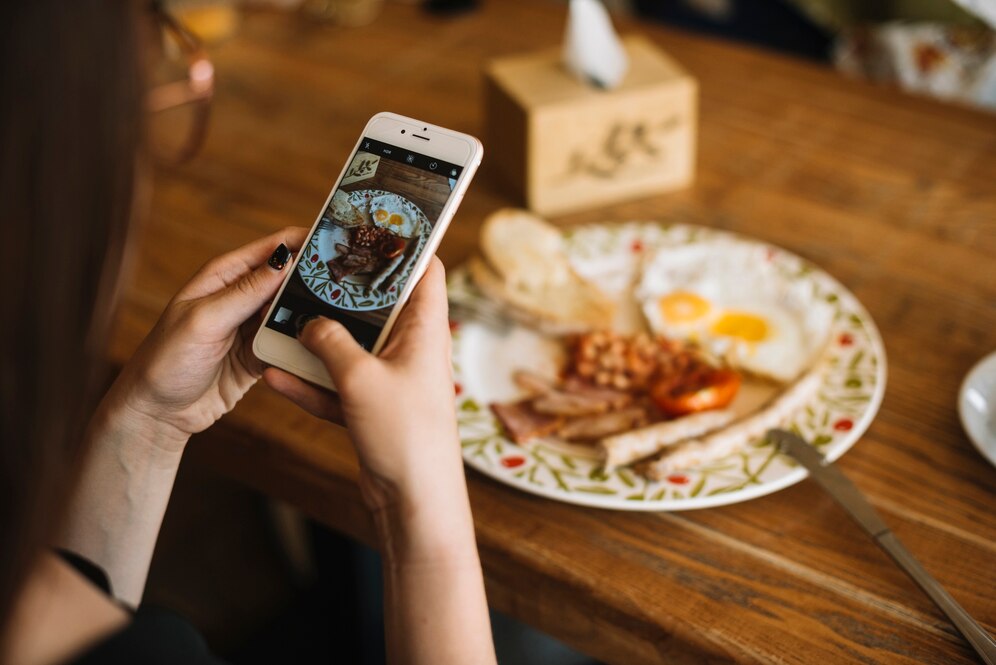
{"x": 344, "y": 213}
{"x": 523, "y": 267}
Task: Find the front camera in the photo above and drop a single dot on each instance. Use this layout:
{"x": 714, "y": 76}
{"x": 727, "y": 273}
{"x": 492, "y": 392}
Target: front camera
{"x": 402, "y": 131}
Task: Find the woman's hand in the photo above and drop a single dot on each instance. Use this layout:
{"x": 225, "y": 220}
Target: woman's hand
{"x": 398, "y": 406}
{"x": 191, "y": 369}
{"x": 198, "y": 362}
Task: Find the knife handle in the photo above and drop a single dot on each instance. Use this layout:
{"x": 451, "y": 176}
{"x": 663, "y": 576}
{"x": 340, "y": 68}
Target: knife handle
{"x": 973, "y": 632}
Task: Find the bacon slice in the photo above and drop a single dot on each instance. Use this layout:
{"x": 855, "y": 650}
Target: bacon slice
{"x": 522, "y": 423}
{"x": 592, "y": 428}
{"x": 532, "y": 383}
{"x": 352, "y": 260}
{"x": 575, "y": 385}
{"x": 558, "y": 403}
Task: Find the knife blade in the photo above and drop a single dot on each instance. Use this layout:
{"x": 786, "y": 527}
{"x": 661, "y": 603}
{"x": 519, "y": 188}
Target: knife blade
{"x": 843, "y": 491}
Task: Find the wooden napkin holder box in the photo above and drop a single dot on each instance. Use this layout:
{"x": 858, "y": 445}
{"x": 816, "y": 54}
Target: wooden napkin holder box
{"x": 563, "y": 145}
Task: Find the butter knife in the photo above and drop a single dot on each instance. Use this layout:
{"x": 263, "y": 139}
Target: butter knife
{"x": 836, "y": 484}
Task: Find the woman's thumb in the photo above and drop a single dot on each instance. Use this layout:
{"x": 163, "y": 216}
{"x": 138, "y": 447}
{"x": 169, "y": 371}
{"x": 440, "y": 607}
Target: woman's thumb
{"x": 334, "y": 346}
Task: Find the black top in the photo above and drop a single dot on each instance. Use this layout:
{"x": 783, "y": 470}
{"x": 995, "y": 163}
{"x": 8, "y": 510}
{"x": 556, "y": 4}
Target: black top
{"x": 153, "y": 637}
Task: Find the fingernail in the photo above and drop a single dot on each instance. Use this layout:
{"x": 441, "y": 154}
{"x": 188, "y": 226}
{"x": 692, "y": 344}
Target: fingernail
{"x": 279, "y": 257}
{"x": 302, "y": 321}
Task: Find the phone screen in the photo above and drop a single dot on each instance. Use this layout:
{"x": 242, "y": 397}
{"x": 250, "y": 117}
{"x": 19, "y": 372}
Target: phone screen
{"x": 371, "y": 234}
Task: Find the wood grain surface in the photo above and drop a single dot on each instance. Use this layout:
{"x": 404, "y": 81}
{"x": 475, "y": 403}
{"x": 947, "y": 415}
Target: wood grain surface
{"x": 891, "y": 194}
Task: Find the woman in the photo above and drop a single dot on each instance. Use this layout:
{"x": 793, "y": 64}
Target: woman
{"x": 92, "y": 475}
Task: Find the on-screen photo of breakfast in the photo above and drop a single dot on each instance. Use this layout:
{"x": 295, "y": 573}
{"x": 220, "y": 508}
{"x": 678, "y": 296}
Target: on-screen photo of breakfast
{"x": 369, "y": 238}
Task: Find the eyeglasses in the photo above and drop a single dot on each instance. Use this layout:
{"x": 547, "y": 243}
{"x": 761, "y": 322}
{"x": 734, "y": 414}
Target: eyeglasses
{"x": 178, "y": 107}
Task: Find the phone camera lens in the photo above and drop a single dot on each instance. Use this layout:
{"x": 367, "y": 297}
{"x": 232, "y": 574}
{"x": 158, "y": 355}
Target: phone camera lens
{"x": 402, "y": 131}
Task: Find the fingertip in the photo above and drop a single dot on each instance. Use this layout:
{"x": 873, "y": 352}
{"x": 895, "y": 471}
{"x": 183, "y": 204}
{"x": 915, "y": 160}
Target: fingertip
{"x": 433, "y": 281}
{"x": 314, "y": 400}
{"x": 312, "y": 329}
{"x": 302, "y": 322}
{"x": 294, "y": 236}
{"x": 280, "y": 258}
{"x": 430, "y": 295}
{"x": 333, "y": 344}
{"x": 274, "y": 377}
{"x": 436, "y": 270}
{"x": 282, "y": 381}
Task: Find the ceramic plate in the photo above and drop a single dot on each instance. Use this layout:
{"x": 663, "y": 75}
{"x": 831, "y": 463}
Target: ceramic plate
{"x": 977, "y": 406}
{"x": 484, "y": 359}
{"x": 354, "y": 292}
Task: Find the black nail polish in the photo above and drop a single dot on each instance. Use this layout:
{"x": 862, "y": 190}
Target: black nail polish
{"x": 302, "y": 321}
{"x": 279, "y": 257}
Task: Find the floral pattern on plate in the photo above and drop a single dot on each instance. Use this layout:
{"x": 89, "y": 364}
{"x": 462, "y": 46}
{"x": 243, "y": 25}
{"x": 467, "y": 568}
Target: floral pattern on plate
{"x": 852, "y": 387}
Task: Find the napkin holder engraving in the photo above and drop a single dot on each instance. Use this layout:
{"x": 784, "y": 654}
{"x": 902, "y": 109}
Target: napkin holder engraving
{"x": 363, "y": 166}
{"x": 565, "y": 146}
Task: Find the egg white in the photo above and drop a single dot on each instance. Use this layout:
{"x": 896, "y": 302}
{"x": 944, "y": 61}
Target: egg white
{"x": 387, "y": 211}
{"x": 706, "y": 284}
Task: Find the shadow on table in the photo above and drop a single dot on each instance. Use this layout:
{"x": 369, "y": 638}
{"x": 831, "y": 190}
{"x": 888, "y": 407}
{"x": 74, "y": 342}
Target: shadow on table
{"x": 220, "y": 564}
{"x": 305, "y": 624}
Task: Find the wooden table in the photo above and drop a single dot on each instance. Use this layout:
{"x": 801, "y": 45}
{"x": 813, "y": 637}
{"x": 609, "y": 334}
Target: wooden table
{"x": 893, "y": 195}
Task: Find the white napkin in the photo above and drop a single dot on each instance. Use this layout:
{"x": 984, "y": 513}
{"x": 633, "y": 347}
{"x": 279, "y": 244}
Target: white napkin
{"x": 592, "y": 50}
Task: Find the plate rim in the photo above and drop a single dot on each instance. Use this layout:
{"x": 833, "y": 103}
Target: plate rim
{"x": 976, "y": 369}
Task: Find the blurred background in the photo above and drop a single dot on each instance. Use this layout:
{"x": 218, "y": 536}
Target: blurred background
{"x": 265, "y": 584}
{"x": 941, "y": 48}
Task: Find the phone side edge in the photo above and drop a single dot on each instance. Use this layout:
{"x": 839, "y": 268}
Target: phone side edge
{"x": 439, "y": 230}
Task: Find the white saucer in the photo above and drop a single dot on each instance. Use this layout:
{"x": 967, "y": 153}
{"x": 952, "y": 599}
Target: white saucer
{"x": 977, "y": 406}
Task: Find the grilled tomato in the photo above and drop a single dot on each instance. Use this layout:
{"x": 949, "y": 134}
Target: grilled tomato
{"x": 710, "y": 389}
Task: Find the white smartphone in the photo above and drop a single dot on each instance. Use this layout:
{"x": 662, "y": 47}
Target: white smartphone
{"x": 373, "y": 239}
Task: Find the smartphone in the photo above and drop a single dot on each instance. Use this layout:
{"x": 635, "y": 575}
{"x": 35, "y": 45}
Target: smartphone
{"x": 373, "y": 239}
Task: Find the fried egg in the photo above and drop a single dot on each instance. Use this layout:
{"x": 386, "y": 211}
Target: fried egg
{"x": 389, "y": 212}
{"x": 727, "y": 297}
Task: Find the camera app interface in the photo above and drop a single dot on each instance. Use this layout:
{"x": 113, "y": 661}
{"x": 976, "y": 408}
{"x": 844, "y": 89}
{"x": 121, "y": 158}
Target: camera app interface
{"x": 369, "y": 238}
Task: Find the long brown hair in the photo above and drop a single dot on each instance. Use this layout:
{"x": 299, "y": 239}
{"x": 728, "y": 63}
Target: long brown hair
{"x": 70, "y": 127}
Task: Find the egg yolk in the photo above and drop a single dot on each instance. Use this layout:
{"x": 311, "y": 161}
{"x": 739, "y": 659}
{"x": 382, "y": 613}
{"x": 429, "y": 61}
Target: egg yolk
{"x": 396, "y": 220}
{"x": 381, "y": 215}
{"x": 682, "y": 307}
{"x": 748, "y": 327}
